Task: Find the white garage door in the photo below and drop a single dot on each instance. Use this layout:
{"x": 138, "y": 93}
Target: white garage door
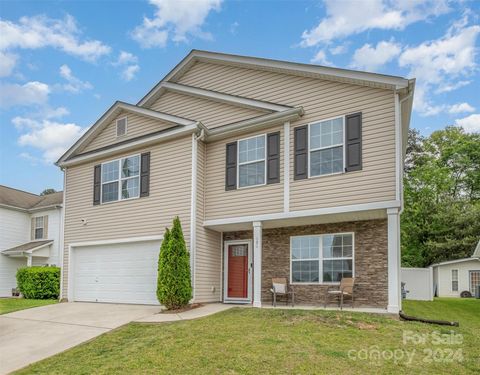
{"x": 119, "y": 273}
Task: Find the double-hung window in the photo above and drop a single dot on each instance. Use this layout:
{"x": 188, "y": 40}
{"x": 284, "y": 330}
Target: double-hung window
{"x": 326, "y": 147}
{"x": 39, "y": 225}
{"x": 251, "y": 161}
{"x": 121, "y": 179}
{"x": 454, "y": 280}
{"x": 323, "y": 258}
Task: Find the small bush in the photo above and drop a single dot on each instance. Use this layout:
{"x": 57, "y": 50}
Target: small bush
{"x": 174, "y": 289}
{"x": 39, "y": 282}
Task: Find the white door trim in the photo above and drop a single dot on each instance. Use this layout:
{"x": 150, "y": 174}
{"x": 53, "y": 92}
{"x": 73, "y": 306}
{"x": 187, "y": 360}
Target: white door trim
{"x": 225, "y": 273}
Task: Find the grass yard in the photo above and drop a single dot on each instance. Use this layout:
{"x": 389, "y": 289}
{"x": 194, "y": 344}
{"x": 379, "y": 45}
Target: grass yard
{"x": 253, "y": 341}
{"x": 8, "y": 305}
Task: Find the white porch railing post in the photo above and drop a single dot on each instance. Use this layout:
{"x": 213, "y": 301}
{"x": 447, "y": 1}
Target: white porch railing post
{"x": 257, "y": 263}
{"x": 394, "y": 293}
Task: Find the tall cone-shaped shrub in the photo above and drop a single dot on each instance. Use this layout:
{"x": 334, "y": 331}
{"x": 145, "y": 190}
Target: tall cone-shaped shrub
{"x": 174, "y": 289}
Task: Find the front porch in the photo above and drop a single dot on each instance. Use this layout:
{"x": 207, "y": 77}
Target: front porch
{"x": 364, "y": 249}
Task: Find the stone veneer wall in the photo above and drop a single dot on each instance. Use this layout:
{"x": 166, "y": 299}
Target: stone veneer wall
{"x": 371, "y": 273}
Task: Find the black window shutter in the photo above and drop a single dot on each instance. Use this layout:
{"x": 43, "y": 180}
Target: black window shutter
{"x": 145, "y": 175}
{"x": 231, "y": 166}
{"x": 273, "y": 158}
{"x": 97, "y": 174}
{"x": 353, "y": 142}
{"x": 301, "y": 152}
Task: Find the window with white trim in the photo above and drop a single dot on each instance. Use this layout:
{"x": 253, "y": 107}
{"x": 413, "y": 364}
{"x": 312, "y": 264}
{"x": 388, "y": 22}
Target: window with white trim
{"x": 320, "y": 259}
{"x": 39, "y": 225}
{"x": 121, "y": 126}
{"x": 326, "y": 147}
{"x": 454, "y": 280}
{"x": 121, "y": 179}
{"x": 251, "y": 161}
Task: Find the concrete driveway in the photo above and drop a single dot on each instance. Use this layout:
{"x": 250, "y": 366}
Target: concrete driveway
{"x": 30, "y": 335}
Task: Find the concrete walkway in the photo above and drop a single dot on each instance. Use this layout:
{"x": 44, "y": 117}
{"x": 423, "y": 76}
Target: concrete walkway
{"x": 199, "y": 312}
{"x": 30, "y": 335}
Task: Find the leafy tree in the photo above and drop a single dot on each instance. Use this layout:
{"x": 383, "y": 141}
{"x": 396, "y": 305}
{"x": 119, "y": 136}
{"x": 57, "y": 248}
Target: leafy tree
{"x": 174, "y": 289}
{"x": 48, "y": 191}
{"x": 441, "y": 220}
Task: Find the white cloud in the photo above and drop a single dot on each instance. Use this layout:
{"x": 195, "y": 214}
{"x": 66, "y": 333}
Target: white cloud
{"x": 128, "y": 62}
{"x": 175, "y": 20}
{"x": 440, "y": 64}
{"x": 460, "y": 108}
{"x": 74, "y": 84}
{"x": 340, "y": 49}
{"x": 7, "y": 63}
{"x": 321, "y": 58}
{"x": 40, "y": 32}
{"x": 50, "y": 137}
{"x": 126, "y": 58}
{"x": 129, "y": 72}
{"x": 470, "y": 123}
{"x": 16, "y": 95}
{"x": 372, "y": 58}
{"x": 234, "y": 28}
{"x": 451, "y": 86}
{"x": 351, "y": 17}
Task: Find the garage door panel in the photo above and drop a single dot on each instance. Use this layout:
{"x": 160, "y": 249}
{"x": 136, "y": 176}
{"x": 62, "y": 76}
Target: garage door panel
{"x": 117, "y": 273}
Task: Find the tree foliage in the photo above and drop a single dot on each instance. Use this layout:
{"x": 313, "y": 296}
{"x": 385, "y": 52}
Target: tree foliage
{"x": 441, "y": 219}
{"x": 48, "y": 191}
{"x": 174, "y": 289}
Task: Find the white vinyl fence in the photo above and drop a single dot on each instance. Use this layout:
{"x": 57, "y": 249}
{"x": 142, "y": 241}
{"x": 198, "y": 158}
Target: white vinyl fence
{"x": 418, "y": 283}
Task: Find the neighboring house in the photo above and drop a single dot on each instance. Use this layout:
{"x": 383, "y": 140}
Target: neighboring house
{"x": 276, "y": 169}
{"x": 455, "y": 276}
{"x": 30, "y": 233}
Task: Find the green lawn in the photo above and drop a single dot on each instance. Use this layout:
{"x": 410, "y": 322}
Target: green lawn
{"x": 8, "y": 305}
{"x": 253, "y": 341}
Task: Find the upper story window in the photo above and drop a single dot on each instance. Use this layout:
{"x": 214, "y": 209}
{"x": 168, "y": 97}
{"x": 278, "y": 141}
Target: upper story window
{"x": 121, "y": 126}
{"x": 39, "y": 227}
{"x": 121, "y": 179}
{"x": 321, "y": 258}
{"x": 326, "y": 147}
{"x": 251, "y": 161}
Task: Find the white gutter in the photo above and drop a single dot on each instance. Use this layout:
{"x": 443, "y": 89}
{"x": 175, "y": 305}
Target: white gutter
{"x": 193, "y": 212}
{"x": 257, "y": 122}
{"x": 61, "y": 245}
{"x": 223, "y": 98}
{"x": 134, "y": 144}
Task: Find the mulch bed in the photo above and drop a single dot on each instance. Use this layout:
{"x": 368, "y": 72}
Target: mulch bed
{"x": 187, "y": 308}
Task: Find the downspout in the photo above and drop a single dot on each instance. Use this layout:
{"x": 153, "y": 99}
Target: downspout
{"x": 62, "y": 234}
{"x": 193, "y": 207}
{"x": 401, "y": 101}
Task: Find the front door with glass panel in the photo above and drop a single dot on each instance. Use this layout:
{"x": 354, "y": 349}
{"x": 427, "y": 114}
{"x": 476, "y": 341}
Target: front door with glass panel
{"x": 237, "y": 271}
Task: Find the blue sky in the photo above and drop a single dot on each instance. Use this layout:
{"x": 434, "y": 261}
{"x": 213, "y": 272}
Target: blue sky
{"x": 63, "y": 63}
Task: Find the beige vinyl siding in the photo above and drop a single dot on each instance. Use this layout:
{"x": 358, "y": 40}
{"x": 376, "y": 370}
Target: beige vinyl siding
{"x": 321, "y": 99}
{"x": 253, "y": 200}
{"x": 170, "y": 195}
{"x": 208, "y": 253}
{"x": 211, "y": 114}
{"x": 136, "y": 126}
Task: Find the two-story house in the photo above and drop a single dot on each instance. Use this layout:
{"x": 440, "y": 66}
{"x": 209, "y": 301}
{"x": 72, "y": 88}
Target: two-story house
{"x": 276, "y": 169}
{"x": 30, "y": 228}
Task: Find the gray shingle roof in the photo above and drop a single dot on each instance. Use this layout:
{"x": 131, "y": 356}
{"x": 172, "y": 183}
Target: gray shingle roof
{"x": 22, "y": 199}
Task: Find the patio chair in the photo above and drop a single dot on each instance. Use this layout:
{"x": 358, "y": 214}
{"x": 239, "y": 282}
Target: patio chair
{"x": 345, "y": 289}
{"x": 280, "y": 288}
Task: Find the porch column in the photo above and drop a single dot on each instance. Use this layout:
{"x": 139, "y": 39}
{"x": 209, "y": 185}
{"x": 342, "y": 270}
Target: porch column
{"x": 29, "y": 260}
{"x": 257, "y": 263}
{"x": 394, "y": 292}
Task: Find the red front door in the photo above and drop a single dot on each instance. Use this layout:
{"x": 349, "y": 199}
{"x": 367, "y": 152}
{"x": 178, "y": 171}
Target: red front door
{"x": 237, "y": 271}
